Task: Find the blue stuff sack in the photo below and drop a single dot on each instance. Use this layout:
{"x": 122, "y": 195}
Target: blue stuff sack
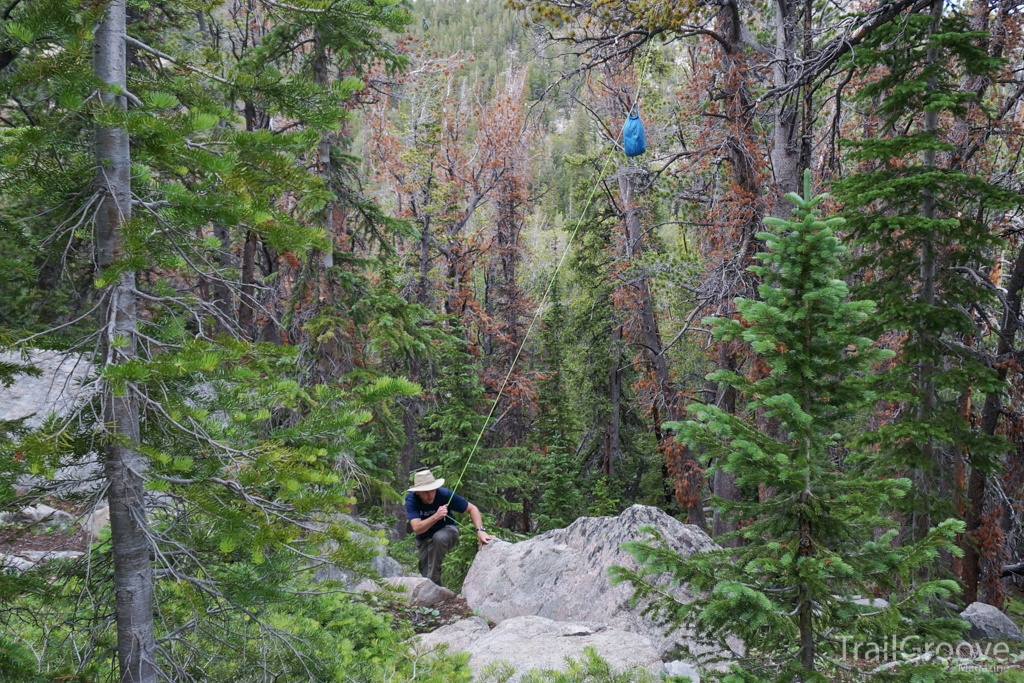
{"x": 633, "y": 135}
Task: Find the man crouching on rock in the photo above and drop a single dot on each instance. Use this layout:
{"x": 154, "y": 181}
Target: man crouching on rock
{"x": 427, "y": 507}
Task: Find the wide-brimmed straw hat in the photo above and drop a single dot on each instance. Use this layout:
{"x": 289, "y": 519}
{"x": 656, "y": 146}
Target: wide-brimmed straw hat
{"x": 424, "y": 481}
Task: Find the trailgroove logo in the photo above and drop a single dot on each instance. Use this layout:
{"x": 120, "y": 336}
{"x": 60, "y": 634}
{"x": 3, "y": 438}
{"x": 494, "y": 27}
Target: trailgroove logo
{"x": 963, "y": 655}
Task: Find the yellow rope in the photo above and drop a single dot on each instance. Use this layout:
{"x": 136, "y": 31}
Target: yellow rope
{"x": 551, "y": 280}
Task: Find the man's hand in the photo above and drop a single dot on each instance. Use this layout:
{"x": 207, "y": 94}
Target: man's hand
{"x": 483, "y": 538}
{"x": 442, "y": 512}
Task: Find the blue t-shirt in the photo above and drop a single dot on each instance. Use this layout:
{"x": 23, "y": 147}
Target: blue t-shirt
{"x": 415, "y": 508}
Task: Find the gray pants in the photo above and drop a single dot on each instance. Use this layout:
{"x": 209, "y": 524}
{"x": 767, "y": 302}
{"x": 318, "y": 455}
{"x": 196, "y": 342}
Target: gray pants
{"x": 433, "y": 550}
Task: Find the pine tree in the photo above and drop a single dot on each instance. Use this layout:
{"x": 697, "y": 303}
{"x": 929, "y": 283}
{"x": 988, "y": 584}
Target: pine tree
{"x": 560, "y": 498}
{"x": 918, "y": 220}
{"x": 813, "y": 547}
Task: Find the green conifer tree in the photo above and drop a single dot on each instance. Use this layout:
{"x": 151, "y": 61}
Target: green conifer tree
{"x": 823, "y": 539}
{"x": 918, "y": 218}
{"x": 560, "y": 497}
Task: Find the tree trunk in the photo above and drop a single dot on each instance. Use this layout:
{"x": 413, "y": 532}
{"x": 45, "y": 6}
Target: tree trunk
{"x": 650, "y": 338}
{"x": 423, "y": 288}
{"x": 133, "y": 574}
{"x": 743, "y": 204}
{"x": 805, "y": 610}
{"x": 977, "y": 487}
{"x": 725, "y": 482}
{"x": 807, "y": 119}
{"x": 785, "y": 153}
{"x": 322, "y": 77}
{"x": 247, "y": 293}
{"x": 221, "y": 291}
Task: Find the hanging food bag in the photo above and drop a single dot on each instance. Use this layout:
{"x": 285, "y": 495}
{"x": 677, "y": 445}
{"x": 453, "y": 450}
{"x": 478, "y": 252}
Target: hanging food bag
{"x": 633, "y": 135}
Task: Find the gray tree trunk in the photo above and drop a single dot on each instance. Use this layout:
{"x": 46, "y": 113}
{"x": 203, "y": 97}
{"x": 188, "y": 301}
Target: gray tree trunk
{"x": 785, "y": 152}
{"x": 651, "y": 338}
{"x": 322, "y": 77}
{"x": 724, "y": 484}
{"x": 133, "y": 574}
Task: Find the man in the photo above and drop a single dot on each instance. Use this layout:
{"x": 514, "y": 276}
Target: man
{"x": 427, "y": 509}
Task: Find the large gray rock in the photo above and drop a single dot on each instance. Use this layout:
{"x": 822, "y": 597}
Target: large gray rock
{"x": 531, "y": 642}
{"x": 988, "y": 623}
{"x": 877, "y": 604}
{"x": 563, "y": 574}
{"x": 94, "y": 521}
{"x": 57, "y": 389}
{"x": 15, "y": 564}
{"x": 44, "y": 516}
{"x": 41, "y": 556}
{"x": 422, "y": 592}
{"x": 25, "y": 560}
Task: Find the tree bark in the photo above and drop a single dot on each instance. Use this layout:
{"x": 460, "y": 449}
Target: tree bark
{"x": 807, "y": 118}
{"x": 725, "y": 482}
{"x": 221, "y": 291}
{"x": 247, "y": 293}
{"x": 322, "y": 77}
{"x": 650, "y": 338}
{"x": 785, "y": 154}
{"x": 977, "y": 487}
{"x": 133, "y": 574}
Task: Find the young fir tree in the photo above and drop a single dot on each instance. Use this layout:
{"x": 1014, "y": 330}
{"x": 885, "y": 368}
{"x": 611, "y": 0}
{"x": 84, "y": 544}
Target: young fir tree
{"x": 823, "y": 539}
{"x": 560, "y": 498}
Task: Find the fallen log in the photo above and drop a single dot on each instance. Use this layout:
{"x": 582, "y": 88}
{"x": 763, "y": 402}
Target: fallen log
{"x": 1013, "y": 570}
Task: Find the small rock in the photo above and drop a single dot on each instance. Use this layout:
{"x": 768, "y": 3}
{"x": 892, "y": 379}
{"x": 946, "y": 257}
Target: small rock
{"x": 94, "y": 522}
{"x": 365, "y": 586}
{"x": 7, "y": 518}
{"x": 422, "y": 591}
{"x": 988, "y": 623}
{"x": 329, "y": 572}
{"x": 38, "y": 556}
{"x": 386, "y": 566}
{"x": 44, "y": 515}
{"x": 381, "y": 564}
{"x": 458, "y": 636}
{"x": 681, "y": 668}
{"x": 874, "y": 603}
{"x": 15, "y": 563}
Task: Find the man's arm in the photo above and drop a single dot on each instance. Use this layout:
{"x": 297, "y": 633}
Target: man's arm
{"x": 478, "y": 523}
{"x": 420, "y": 525}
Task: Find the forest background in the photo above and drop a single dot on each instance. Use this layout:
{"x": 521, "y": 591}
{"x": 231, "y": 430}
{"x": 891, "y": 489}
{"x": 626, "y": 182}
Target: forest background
{"x": 305, "y": 248}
